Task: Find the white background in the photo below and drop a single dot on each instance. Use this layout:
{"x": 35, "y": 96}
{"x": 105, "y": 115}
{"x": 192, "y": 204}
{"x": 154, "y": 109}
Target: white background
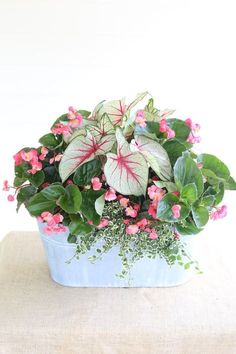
{"x": 60, "y": 53}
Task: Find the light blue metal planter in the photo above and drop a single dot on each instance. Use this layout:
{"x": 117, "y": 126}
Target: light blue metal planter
{"x": 82, "y": 273}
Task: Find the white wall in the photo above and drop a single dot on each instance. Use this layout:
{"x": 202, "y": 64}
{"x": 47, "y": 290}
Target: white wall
{"x": 60, "y": 53}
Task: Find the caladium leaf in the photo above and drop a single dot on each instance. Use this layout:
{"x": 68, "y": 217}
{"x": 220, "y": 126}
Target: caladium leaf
{"x": 139, "y": 97}
{"x": 126, "y": 172}
{"x": 81, "y": 150}
{"x": 155, "y": 155}
{"x": 115, "y": 111}
{"x": 104, "y": 127}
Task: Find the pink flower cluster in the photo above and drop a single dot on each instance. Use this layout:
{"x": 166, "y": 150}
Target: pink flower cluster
{"x": 31, "y": 157}
{"x": 164, "y": 128}
{"x": 75, "y": 118}
{"x": 219, "y": 213}
{"x": 140, "y": 119}
{"x": 195, "y": 127}
{"x": 6, "y": 188}
{"x": 155, "y": 194}
{"x": 141, "y": 225}
{"x": 53, "y": 225}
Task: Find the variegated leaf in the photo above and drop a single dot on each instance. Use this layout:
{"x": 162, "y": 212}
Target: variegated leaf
{"x": 126, "y": 172}
{"x": 156, "y": 156}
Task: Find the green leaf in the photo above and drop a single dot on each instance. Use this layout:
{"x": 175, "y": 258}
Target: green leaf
{"x": 187, "y": 227}
{"x": 126, "y": 172}
{"x": 212, "y": 163}
{"x": 79, "y": 227}
{"x": 155, "y": 155}
{"x": 99, "y": 204}
{"x": 50, "y": 141}
{"x": 181, "y": 129}
{"x": 186, "y": 172}
{"x": 37, "y": 179}
{"x": 230, "y": 184}
{"x": 19, "y": 181}
{"x": 38, "y": 204}
{"x": 170, "y": 186}
{"x": 84, "y": 113}
{"x": 53, "y": 192}
{"x": 189, "y": 193}
{"x": 200, "y": 215}
{"x": 51, "y": 174}
{"x": 208, "y": 201}
{"x": 86, "y": 172}
{"x": 24, "y": 194}
{"x": 71, "y": 238}
{"x": 88, "y": 206}
{"x": 174, "y": 149}
{"x": 164, "y": 211}
{"x": 71, "y": 201}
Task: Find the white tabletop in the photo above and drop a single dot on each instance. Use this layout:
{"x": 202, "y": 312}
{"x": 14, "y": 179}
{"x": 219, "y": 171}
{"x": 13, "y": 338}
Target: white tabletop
{"x": 39, "y": 316}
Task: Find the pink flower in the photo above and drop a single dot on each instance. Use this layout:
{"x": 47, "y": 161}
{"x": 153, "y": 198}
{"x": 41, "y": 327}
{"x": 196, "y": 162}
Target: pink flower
{"x": 219, "y": 213}
{"x": 195, "y": 127}
{"x": 200, "y": 165}
{"x": 36, "y": 166}
{"x": 103, "y": 223}
{"x": 57, "y": 158}
{"x": 44, "y": 152}
{"x": 96, "y": 184}
{"x": 53, "y": 222}
{"x": 58, "y": 218}
{"x": 61, "y": 128}
{"x": 142, "y": 223}
{"x": 155, "y": 193}
{"x": 176, "y": 193}
{"x": 140, "y": 119}
{"x": 10, "y": 198}
{"x": 153, "y": 234}
{"x": 126, "y": 221}
{"x": 170, "y": 133}
{"x": 6, "y": 186}
{"x": 136, "y": 207}
{"x": 75, "y": 118}
{"x": 176, "y": 236}
{"x": 163, "y": 125}
{"x": 29, "y": 156}
{"x": 131, "y": 212}
{"x": 45, "y": 185}
{"x": 176, "y": 211}
{"x": 124, "y": 202}
{"x": 18, "y": 159}
{"x": 192, "y": 139}
{"x": 152, "y": 210}
{"x": 69, "y": 181}
{"x": 110, "y": 194}
{"x": 132, "y": 229}
{"x": 165, "y": 129}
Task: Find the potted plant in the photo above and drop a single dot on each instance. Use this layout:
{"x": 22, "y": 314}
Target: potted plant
{"x": 119, "y": 194}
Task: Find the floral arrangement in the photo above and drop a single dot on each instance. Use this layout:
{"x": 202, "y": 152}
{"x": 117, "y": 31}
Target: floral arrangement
{"x": 125, "y": 175}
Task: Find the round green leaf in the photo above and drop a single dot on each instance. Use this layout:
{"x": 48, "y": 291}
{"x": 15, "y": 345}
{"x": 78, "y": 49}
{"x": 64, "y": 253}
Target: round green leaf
{"x": 186, "y": 172}
{"x": 189, "y": 193}
{"x": 38, "y": 204}
{"x": 86, "y": 172}
{"x": 200, "y": 215}
{"x": 53, "y": 192}
{"x": 164, "y": 211}
{"x": 212, "y": 163}
{"x": 71, "y": 200}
